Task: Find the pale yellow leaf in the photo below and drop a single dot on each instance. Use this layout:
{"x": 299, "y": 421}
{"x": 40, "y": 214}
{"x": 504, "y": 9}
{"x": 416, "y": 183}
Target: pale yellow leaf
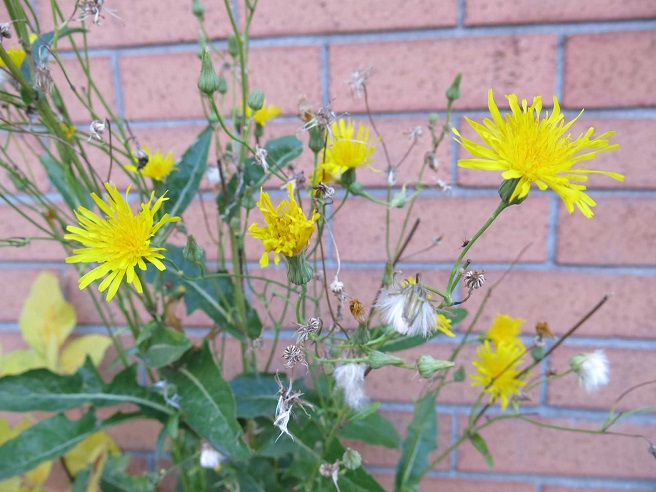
{"x": 76, "y": 351}
{"x": 34, "y": 479}
{"x": 20, "y": 361}
{"x": 89, "y": 451}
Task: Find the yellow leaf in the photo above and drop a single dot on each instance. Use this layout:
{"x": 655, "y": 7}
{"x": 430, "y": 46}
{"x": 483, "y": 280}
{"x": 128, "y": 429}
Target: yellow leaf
{"x": 31, "y": 481}
{"x": 34, "y": 479}
{"x": 89, "y": 451}
{"x": 11, "y": 485}
{"x": 76, "y": 351}
{"x": 20, "y": 361}
{"x": 47, "y": 319}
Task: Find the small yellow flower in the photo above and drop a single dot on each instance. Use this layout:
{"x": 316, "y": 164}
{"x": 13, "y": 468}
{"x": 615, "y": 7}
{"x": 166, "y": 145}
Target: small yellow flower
{"x": 69, "y": 130}
{"x": 159, "y": 166}
{"x": 325, "y": 172}
{"x": 17, "y": 53}
{"x": 119, "y": 242}
{"x": 348, "y": 149}
{"x": 505, "y": 329}
{"x": 537, "y": 149}
{"x": 287, "y": 230}
{"x": 444, "y": 325}
{"x": 497, "y": 371}
{"x": 264, "y": 114}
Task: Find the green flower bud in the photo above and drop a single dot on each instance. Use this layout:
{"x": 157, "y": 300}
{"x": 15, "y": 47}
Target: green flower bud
{"x": 192, "y": 251}
{"x": 506, "y": 190}
{"x": 197, "y": 8}
{"x": 355, "y": 188}
{"x": 348, "y": 178}
{"x": 233, "y": 46}
{"x": 223, "y": 85}
{"x": 453, "y": 92}
{"x": 378, "y": 359}
{"x": 208, "y": 82}
{"x": 432, "y": 118}
{"x": 256, "y": 99}
{"x": 399, "y": 200}
{"x": 317, "y": 140}
{"x": 427, "y": 366}
{"x": 299, "y": 270}
{"x": 351, "y": 459}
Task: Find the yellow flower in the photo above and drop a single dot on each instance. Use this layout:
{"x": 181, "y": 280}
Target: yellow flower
{"x": 287, "y": 230}
{"x": 326, "y": 172}
{"x": 497, "y": 371}
{"x": 158, "y": 167}
{"x": 45, "y": 322}
{"x": 505, "y": 329}
{"x": 17, "y": 53}
{"x": 69, "y": 130}
{"x": 348, "y": 149}
{"x": 119, "y": 242}
{"x": 264, "y": 114}
{"x": 531, "y": 148}
{"x": 444, "y": 325}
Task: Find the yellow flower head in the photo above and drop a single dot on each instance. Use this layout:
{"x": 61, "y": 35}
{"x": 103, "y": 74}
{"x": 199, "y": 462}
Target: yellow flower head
{"x": 264, "y": 114}
{"x": 348, "y": 149}
{"x": 119, "y": 242}
{"x": 159, "y": 166}
{"x": 531, "y": 148}
{"x": 287, "y": 230}
{"x": 497, "y": 371}
{"x": 326, "y": 172}
{"x": 17, "y": 53}
{"x": 505, "y": 329}
{"x": 444, "y": 325}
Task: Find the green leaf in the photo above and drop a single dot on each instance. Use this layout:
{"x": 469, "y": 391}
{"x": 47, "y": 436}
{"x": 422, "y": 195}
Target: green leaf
{"x": 44, "y": 441}
{"x": 459, "y": 375}
{"x": 256, "y": 395}
{"x": 183, "y": 183}
{"x": 208, "y": 402}
{"x": 374, "y": 429}
{"x": 115, "y": 477}
{"x": 42, "y": 55}
{"x": 456, "y": 315}
{"x": 164, "y": 346}
{"x": 481, "y": 446}
{"x": 67, "y": 184}
{"x": 42, "y": 390}
{"x": 420, "y": 441}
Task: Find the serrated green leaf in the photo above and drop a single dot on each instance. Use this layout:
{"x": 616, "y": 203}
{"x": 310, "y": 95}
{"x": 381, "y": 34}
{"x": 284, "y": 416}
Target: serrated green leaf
{"x": 183, "y": 183}
{"x": 374, "y": 429}
{"x": 481, "y": 446}
{"x": 256, "y": 395}
{"x": 419, "y": 442}
{"x": 456, "y": 315}
{"x": 208, "y": 402}
{"x": 163, "y": 347}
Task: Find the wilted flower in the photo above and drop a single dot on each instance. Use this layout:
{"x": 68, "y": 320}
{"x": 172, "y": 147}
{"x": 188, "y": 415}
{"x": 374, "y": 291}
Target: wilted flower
{"x": 350, "y": 379}
{"x": 328, "y": 470}
{"x": 592, "y": 369}
{"x": 97, "y": 128}
{"x": 286, "y": 402}
{"x": 408, "y": 308}
{"x": 294, "y": 355}
{"x": 303, "y": 332}
{"x": 474, "y": 279}
{"x": 358, "y": 80}
{"x": 261, "y": 158}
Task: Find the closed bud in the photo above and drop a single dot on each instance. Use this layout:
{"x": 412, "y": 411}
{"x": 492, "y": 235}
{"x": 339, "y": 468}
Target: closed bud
{"x": 453, "y": 92}
{"x": 208, "y": 82}
{"x": 197, "y": 8}
{"x": 299, "y": 270}
{"x": 233, "y": 46}
{"x": 378, "y": 359}
{"x": 317, "y": 140}
{"x": 432, "y": 118}
{"x": 351, "y": 459}
{"x": 399, "y": 200}
{"x": 192, "y": 252}
{"x": 348, "y": 177}
{"x": 427, "y": 366}
{"x": 507, "y": 189}
{"x": 223, "y": 85}
{"x": 256, "y": 99}
{"x": 356, "y": 188}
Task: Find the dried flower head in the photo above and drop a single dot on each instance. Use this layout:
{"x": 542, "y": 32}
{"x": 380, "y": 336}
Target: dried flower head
{"x": 92, "y": 9}
{"x": 474, "y": 279}
{"x": 97, "y": 128}
{"x": 407, "y": 307}
{"x": 592, "y": 369}
{"x": 43, "y": 78}
{"x": 328, "y": 470}
{"x": 350, "y": 379}
{"x": 390, "y": 175}
{"x": 261, "y": 158}
{"x": 294, "y": 355}
{"x": 442, "y": 185}
{"x": 313, "y": 325}
{"x": 358, "y": 311}
{"x": 432, "y": 161}
{"x": 337, "y": 286}
{"x": 414, "y": 134}
{"x": 286, "y": 401}
{"x": 322, "y": 119}
{"x": 358, "y": 80}
{"x": 5, "y": 30}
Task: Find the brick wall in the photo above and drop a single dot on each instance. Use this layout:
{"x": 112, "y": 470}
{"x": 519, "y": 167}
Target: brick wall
{"x": 596, "y": 54}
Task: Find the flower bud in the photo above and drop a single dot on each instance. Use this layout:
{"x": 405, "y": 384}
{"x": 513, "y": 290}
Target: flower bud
{"x": 427, "y": 366}
{"x": 317, "y": 140}
{"x": 223, "y": 85}
{"x": 233, "y": 46}
{"x": 192, "y": 252}
{"x": 399, "y": 200}
{"x": 197, "y": 8}
{"x": 432, "y": 118}
{"x": 378, "y": 359}
{"x": 351, "y": 459}
{"x": 256, "y": 99}
{"x": 348, "y": 178}
{"x": 453, "y": 92}
{"x": 208, "y": 81}
{"x": 507, "y": 189}
{"x": 356, "y": 189}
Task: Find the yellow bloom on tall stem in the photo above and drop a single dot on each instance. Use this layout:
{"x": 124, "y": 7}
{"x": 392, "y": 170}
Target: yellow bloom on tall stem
{"x": 158, "y": 167}
{"x": 532, "y": 148}
{"x": 267, "y": 112}
{"x": 505, "y": 329}
{"x": 119, "y": 242}
{"x": 348, "y": 149}
{"x": 287, "y": 232}
{"x": 497, "y": 371}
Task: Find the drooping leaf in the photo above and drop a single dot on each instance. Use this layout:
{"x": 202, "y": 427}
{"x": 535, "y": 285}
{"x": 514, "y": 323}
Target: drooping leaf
{"x": 163, "y": 347}
{"x": 256, "y": 395}
{"x": 374, "y": 429}
{"x": 419, "y": 442}
{"x": 208, "y": 402}
{"x": 183, "y": 183}
{"x": 456, "y": 315}
{"x": 481, "y": 446}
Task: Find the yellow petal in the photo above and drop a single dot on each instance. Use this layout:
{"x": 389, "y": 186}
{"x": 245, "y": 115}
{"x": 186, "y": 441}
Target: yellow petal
{"x": 76, "y": 351}
{"x": 47, "y": 319}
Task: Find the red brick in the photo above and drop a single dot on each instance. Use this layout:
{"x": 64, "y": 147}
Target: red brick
{"x": 563, "y": 298}
{"x": 16, "y": 285}
{"x": 294, "y": 17}
{"x": 551, "y": 488}
{"x": 633, "y": 158}
{"x": 15, "y": 225}
{"x": 139, "y": 24}
{"x": 522, "y": 447}
{"x": 414, "y": 75}
{"x": 527, "y": 11}
{"x": 608, "y": 69}
{"x": 627, "y": 369}
{"x": 455, "y": 219}
{"x": 150, "y": 79}
{"x": 616, "y": 235}
{"x": 429, "y": 484}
